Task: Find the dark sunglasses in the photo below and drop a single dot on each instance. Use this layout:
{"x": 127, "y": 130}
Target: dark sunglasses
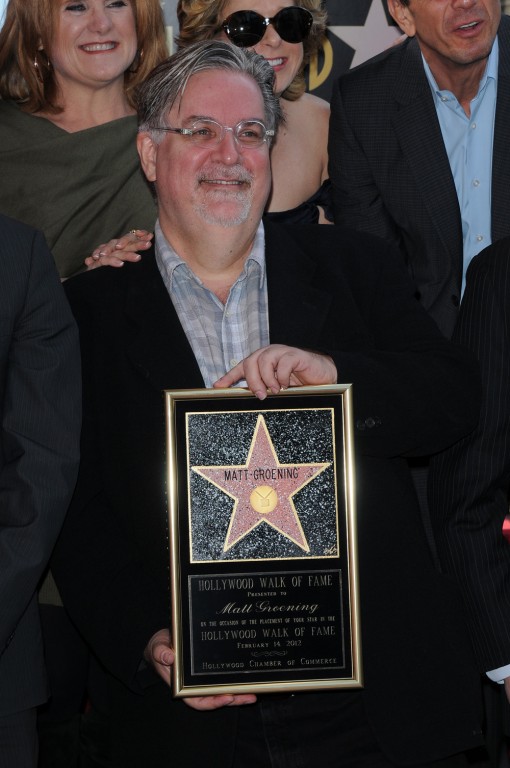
{"x": 247, "y": 28}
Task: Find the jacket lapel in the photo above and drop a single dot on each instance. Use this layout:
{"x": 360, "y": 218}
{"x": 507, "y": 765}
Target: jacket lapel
{"x": 416, "y": 116}
{"x": 158, "y": 346}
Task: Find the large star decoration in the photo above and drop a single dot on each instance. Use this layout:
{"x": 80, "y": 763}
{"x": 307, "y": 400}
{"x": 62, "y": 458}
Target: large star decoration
{"x": 263, "y": 490}
{"x": 370, "y": 39}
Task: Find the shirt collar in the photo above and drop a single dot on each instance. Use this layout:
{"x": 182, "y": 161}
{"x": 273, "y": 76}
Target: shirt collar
{"x": 491, "y": 71}
{"x": 168, "y": 260}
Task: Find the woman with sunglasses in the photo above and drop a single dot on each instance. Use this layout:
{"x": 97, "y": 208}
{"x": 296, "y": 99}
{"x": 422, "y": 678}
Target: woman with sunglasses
{"x": 287, "y": 35}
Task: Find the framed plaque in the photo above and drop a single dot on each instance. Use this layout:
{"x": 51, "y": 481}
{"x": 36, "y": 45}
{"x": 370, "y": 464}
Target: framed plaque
{"x": 262, "y": 531}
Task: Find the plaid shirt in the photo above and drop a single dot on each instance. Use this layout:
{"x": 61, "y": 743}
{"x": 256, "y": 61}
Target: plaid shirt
{"x": 221, "y": 335}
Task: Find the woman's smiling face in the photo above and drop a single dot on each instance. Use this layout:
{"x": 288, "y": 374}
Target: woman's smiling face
{"x": 285, "y": 58}
{"x": 94, "y": 42}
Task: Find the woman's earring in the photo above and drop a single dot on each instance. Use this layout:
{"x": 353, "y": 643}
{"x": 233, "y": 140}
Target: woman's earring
{"x": 38, "y": 68}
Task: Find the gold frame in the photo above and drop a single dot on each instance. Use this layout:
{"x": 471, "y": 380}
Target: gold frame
{"x": 187, "y": 571}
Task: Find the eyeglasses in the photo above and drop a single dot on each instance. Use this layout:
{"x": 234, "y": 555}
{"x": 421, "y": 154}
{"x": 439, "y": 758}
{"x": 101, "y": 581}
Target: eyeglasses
{"x": 247, "y": 28}
{"x": 247, "y": 134}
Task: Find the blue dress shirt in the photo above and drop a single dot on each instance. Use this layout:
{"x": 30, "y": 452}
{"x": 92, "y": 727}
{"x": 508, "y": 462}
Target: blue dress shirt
{"x": 469, "y": 142}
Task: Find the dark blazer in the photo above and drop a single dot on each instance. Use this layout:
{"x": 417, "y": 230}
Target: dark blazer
{"x": 470, "y": 482}
{"x": 328, "y": 289}
{"x": 390, "y": 170}
{"x": 40, "y": 411}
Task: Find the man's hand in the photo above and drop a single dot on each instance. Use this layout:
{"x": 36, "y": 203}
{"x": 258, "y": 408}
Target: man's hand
{"x": 277, "y": 367}
{"x": 159, "y": 653}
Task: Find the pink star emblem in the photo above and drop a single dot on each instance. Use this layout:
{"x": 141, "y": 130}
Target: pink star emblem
{"x": 263, "y": 490}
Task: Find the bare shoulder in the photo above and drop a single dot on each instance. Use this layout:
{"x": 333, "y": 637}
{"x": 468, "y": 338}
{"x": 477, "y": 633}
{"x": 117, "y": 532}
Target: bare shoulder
{"x": 308, "y": 115}
{"x": 311, "y": 108}
{"x": 313, "y": 114}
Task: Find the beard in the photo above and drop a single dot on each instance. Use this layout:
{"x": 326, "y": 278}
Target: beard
{"x": 229, "y": 206}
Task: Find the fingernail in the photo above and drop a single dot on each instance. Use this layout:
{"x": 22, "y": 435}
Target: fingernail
{"x": 166, "y": 658}
{"x": 261, "y": 394}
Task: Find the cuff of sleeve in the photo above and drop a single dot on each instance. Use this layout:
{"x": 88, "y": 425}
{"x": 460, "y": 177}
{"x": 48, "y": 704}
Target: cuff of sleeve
{"x": 498, "y": 675}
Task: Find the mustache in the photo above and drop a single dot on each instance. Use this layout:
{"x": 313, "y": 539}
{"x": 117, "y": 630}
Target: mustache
{"x": 225, "y": 172}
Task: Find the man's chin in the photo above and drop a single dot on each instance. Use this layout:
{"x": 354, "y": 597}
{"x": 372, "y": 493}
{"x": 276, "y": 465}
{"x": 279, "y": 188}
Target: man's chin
{"x": 230, "y": 214}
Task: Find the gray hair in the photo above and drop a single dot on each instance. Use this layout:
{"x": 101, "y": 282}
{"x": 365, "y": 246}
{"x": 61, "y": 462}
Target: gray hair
{"x": 167, "y": 82}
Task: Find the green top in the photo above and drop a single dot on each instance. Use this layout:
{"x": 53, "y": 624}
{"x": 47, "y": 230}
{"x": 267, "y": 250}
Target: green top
{"x": 80, "y": 189}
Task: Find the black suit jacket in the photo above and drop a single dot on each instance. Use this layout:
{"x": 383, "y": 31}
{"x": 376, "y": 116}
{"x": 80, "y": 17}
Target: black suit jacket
{"x": 40, "y": 413}
{"x": 414, "y": 393}
{"x": 390, "y": 170}
{"x": 470, "y": 482}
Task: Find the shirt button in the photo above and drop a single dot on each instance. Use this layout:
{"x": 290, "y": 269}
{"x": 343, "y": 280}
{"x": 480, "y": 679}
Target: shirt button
{"x": 479, "y": 238}
{"x": 476, "y": 183}
{"x": 233, "y": 363}
{"x": 444, "y": 98}
{"x": 473, "y": 126}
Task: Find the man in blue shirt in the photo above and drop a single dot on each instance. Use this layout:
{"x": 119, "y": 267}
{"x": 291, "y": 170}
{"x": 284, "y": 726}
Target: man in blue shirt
{"x": 419, "y": 155}
{"x": 418, "y": 143}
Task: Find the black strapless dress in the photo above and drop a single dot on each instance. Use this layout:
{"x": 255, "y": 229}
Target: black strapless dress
{"x": 307, "y": 212}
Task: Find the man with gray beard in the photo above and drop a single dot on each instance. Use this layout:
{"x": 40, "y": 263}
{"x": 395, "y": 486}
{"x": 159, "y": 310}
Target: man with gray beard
{"x": 221, "y": 299}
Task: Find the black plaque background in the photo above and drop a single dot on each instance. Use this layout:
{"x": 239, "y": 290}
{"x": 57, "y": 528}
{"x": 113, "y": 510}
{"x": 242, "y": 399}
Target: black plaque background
{"x": 279, "y": 641}
{"x": 195, "y": 608}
